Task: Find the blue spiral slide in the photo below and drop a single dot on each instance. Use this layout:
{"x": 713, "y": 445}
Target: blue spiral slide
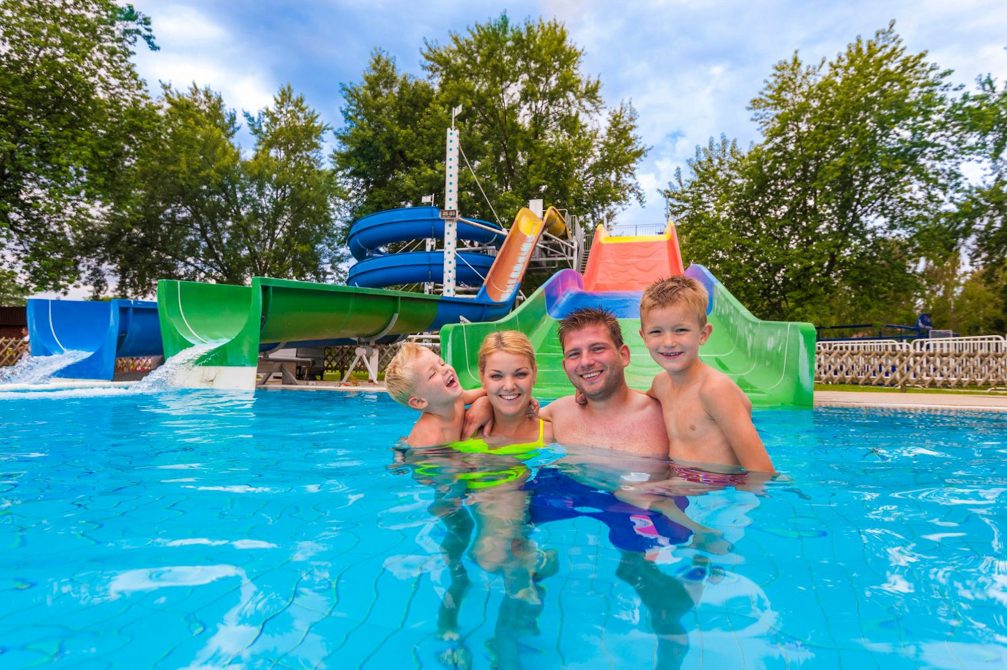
{"x": 108, "y": 329}
{"x": 377, "y": 269}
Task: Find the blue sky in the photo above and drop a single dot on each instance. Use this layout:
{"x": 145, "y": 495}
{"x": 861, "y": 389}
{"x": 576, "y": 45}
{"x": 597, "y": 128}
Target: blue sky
{"x": 689, "y": 68}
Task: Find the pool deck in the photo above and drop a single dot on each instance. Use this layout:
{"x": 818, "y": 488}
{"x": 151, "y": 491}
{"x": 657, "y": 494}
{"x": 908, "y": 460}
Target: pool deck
{"x": 896, "y": 399}
{"x": 893, "y": 399}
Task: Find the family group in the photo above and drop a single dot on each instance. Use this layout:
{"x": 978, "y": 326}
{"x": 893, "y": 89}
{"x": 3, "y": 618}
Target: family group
{"x": 692, "y": 414}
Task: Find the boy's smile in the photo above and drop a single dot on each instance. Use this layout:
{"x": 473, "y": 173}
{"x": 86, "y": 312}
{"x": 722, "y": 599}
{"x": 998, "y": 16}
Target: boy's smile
{"x": 673, "y": 336}
{"x": 436, "y": 381}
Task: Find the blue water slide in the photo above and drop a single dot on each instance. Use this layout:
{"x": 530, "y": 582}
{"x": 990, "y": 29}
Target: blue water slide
{"x": 416, "y": 267}
{"x": 106, "y": 329}
{"x": 375, "y": 269}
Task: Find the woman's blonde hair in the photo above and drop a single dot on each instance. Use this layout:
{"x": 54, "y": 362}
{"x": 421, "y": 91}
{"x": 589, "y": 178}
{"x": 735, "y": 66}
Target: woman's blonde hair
{"x": 510, "y": 341}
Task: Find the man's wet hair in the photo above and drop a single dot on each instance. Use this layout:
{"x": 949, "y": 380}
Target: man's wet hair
{"x": 590, "y": 316}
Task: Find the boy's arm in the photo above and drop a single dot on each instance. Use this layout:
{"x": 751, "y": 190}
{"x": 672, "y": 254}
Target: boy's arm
{"x": 478, "y": 418}
{"x": 732, "y": 412}
{"x": 469, "y": 397}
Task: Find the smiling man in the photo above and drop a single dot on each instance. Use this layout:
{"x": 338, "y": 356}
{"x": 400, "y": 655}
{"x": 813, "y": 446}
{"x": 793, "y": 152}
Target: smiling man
{"x": 615, "y": 416}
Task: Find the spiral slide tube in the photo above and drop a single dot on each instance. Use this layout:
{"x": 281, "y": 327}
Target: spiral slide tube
{"x": 773, "y": 362}
{"x": 107, "y": 329}
{"x": 376, "y": 269}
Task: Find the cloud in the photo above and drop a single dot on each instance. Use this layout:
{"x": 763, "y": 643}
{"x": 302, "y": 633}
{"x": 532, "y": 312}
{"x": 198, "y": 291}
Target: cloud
{"x": 690, "y": 69}
{"x": 199, "y": 48}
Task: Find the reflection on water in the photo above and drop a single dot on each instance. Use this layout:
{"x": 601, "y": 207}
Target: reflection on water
{"x": 271, "y": 530}
{"x": 493, "y": 505}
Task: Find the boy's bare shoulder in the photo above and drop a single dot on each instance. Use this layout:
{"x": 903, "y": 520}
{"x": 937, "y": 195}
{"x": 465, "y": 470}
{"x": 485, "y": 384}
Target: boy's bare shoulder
{"x": 426, "y": 432}
{"x": 660, "y": 383}
{"x": 716, "y": 386}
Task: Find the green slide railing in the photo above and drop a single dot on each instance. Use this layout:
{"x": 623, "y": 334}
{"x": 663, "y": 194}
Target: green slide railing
{"x": 773, "y": 362}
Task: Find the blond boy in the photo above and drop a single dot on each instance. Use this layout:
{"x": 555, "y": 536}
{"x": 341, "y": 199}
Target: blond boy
{"x": 418, "y": 378}
{"x": 708, "y": 418}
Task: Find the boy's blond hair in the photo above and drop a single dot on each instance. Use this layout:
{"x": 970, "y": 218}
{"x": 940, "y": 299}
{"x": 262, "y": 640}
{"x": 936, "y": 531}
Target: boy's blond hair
{"x": 511, "y": 341}
{"x": 678, "y": 290}
{"x": 398, "y": 375}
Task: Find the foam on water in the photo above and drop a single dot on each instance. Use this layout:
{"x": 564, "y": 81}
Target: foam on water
{"x": 165, "y": 376}
{"x": 40, "y": 369}
{"x": 35, "y": 381}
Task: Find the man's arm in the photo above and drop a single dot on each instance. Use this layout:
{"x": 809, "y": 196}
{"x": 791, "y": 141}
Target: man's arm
{"x": 732, "y": 412}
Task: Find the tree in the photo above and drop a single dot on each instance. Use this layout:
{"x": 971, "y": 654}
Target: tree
{"x": 203, "y": 213}
{"x": 984, "y": 115}
{"x": 853, "y": 182}
{"x": 71, "y": 107}
{"x": 532, "y": 126}
{"x": 391, "y": 145}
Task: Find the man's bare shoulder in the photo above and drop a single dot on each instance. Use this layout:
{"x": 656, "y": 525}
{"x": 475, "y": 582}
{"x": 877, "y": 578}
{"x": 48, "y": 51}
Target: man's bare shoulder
{"x": 558, "y": 408}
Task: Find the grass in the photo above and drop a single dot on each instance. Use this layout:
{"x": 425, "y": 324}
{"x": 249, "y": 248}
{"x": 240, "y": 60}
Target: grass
{"x": 891, "y": 389}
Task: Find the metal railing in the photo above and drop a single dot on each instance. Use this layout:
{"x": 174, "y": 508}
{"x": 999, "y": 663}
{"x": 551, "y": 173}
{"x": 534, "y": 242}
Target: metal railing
{"x": 951, "y": 362}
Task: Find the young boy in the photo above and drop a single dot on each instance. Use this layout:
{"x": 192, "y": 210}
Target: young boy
{"x": 418, "y": 378}
{"x": 708, "y": 418}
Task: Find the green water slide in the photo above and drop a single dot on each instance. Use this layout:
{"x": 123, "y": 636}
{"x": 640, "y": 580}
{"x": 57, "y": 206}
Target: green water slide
{"x": 230, "y": 325}
{"x": 773, "y": 362}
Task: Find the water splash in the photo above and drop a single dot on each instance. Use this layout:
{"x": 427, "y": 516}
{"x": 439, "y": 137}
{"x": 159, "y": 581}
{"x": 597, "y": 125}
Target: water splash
{"x": 164, "y": 378}
{"x": 25, "y": 386}
{"x": 40, "y": 369}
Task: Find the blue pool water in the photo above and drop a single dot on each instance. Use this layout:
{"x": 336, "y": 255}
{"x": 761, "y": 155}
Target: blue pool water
{"x": 283, "y": 530}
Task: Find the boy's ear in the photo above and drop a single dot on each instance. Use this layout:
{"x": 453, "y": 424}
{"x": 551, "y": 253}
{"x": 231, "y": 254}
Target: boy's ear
{"x": 417, "y": 403}
{"x": 704, "y": 334}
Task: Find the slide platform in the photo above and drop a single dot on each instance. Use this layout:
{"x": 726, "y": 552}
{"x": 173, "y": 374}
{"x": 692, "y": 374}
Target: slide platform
{"x": 234, "y": 323}
{"x": 773, "y": 362}
{"x": 107, "y": 329}
{"x": 375, "y": 269}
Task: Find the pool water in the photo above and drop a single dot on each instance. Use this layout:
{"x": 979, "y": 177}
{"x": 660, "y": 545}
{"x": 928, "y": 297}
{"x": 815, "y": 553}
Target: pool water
{"x": 284, "y": 530}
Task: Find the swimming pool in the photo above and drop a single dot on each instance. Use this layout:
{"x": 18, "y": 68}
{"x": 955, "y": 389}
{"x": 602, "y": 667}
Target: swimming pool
{"x": 197, "y": 529}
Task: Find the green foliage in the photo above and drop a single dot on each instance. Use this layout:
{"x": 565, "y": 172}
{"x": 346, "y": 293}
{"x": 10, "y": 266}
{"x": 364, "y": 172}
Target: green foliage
{"x": 202, "y": 212}
{"x": 532, "y": 126}
{"x": 965, "y": 302}
{"x": 71, "y": 109}
{"x": 12, "y": 292}
{"x": 854, "y": 181}
{"x": 391, "y": 145}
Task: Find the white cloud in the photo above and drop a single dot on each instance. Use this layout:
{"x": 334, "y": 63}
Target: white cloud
{"x": 198, "y": 48}
{"x": 689, "y": 68}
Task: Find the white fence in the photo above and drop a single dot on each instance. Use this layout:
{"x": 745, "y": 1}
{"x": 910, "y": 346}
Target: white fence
{"x": 938, "y": 363}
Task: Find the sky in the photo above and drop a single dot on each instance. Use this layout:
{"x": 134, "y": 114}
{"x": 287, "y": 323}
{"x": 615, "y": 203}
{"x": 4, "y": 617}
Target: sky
{"x": 688, "y": 67}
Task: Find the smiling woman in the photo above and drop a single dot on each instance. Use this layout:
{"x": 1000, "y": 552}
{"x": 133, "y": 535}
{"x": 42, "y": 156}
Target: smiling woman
{"x": 507, "y": 372}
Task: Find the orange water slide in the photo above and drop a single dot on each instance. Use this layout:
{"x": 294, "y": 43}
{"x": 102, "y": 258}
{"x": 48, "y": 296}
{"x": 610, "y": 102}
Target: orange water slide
{"x": 504, "y": 278}
{"x": 631, "y": 263}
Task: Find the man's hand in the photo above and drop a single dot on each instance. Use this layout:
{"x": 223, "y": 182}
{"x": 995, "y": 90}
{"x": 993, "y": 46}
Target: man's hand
{"x": 478, "y": 418}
